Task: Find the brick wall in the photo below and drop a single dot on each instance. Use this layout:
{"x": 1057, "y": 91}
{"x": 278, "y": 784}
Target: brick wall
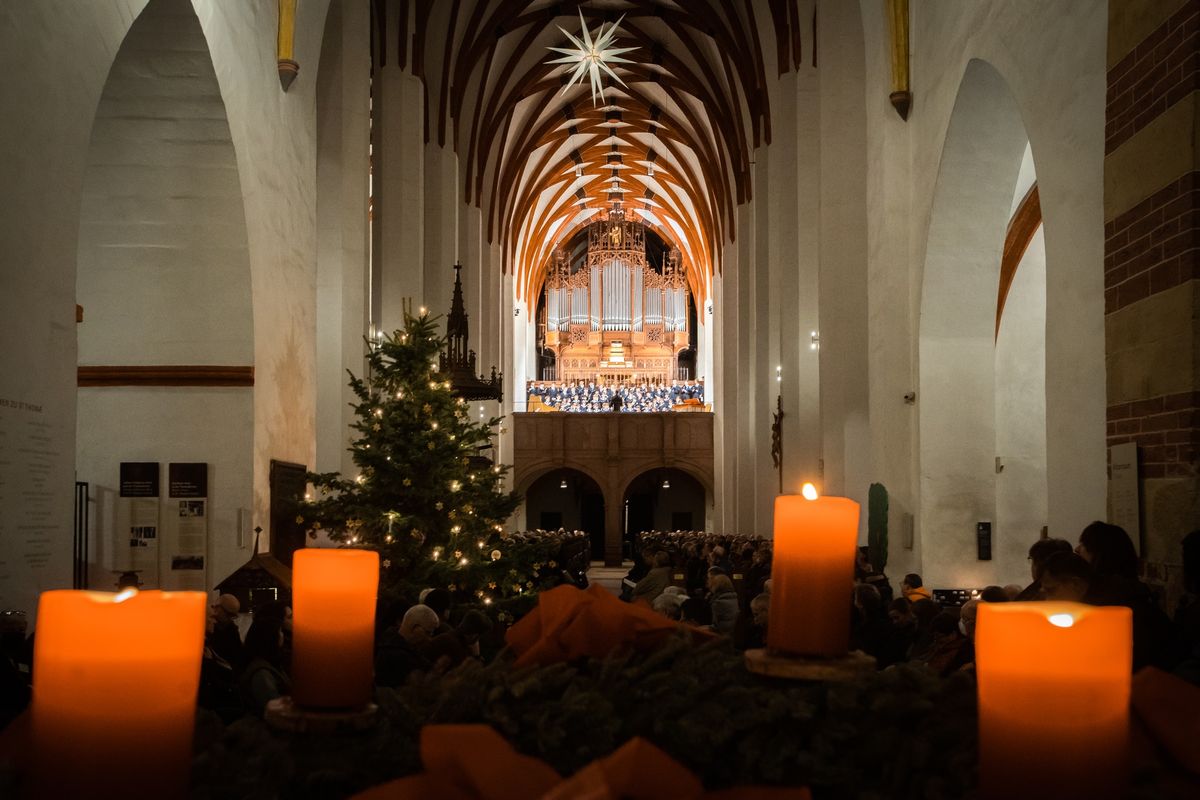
{"x": 1157, "y": 74}
{"x": 1152, "y": 247}
{"x": 1152, "y": 233}
{"x": 1166, "y": 429}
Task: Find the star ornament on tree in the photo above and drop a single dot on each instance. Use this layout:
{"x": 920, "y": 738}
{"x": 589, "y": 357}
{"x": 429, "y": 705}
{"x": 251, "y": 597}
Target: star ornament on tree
{"x": 590, "y": 55}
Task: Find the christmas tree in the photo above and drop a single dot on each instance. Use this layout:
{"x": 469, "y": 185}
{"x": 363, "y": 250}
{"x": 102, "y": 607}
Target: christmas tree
{"x": 424, "y": 497}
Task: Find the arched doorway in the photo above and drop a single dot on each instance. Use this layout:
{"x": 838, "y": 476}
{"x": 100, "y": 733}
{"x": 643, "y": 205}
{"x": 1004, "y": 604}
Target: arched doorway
{"x": 163, "y": 278}
{"x": 567, "y": 498}
{"x": 665, "y": 499}
{"x": 982, "y": 372}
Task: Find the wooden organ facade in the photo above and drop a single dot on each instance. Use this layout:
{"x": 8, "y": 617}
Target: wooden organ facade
{"x": 615, "y": 317}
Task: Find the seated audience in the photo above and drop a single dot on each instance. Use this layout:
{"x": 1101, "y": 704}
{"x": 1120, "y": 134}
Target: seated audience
{"x": 923, "y": 612}
{"x": 751, "y": 629}
{"x": 226, "y": 641}
{"x": 1185, "y": 641}
{"x": 913, "y": 589}
{"x": 864, "y": 572}
{"x": 1039, "y": 551}
{"x": 658, "y": 578}
{"x": 400, "y": 650}
{"x": 448, "y": 650}
{"x": 948, "y": 651}
{"x": 723, "y": 601}
{"x": 218, "y": 678}
{"x": 263, "y": 678}
{"x": 1115, "y": 582}
{"x": 871, "y": 631}
{"x": 440, "y": 601}
{"x": 695, "y": 611}
{"x": 670, "y": 601}
{"x": 993, "y": 594}
{"x": 1066, "y": 576}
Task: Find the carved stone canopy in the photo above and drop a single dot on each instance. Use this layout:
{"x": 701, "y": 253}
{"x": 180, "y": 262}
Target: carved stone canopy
{"x": 458, "y": 360}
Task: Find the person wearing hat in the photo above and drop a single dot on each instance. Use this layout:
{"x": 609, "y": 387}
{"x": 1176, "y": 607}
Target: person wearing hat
{"x": 225, "y": 639}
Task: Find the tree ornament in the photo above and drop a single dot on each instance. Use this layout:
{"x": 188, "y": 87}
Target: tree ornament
{"x": 496, "y": 556}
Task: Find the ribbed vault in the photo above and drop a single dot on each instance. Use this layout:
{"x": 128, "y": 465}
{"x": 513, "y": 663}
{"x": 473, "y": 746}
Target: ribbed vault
{"x": 673, "y": 146}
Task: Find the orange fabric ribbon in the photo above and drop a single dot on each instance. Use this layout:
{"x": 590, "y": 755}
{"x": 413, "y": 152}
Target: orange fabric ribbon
{"x": 473, "y": 762}
{"x": 1169, "y": 707}
{"x": 569, "y": 624}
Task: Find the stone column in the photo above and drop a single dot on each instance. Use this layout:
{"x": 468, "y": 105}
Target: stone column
{"x": 1152, "y": 232}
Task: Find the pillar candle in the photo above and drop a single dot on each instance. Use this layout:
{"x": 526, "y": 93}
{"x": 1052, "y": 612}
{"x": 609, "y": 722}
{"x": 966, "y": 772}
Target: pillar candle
{"x": 333, "y": 627}
{"x": 115, "y": 678}
{"x": 1054, "y": 685}
{"x": 812, "y": 574}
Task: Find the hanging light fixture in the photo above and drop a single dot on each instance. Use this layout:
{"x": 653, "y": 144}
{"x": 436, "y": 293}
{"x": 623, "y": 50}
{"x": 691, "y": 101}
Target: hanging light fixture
{"x": 589, "y": 54}
{"x": 562, "y": 484}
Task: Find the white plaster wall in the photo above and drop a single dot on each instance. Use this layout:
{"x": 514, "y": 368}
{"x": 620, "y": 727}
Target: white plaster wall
{"x": 1051, "y": 56}
{"x": 274, "y": 135}
{"x": 1020, "y": 364}
{"x": 163, "y": 269}
{"x": 213, "y": 425}
{"x": 164, "y": 278}
{"x": 844, "y": 366}
{"x": 47, "y": 102}
{"x": 343, "y": 268}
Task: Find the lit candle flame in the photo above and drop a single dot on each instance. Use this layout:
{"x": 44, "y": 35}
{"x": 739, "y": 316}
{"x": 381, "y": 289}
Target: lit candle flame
{"x": 1062, "y": 620}
{"x": 809, "y": 491}
{"x": 125, "y": 594}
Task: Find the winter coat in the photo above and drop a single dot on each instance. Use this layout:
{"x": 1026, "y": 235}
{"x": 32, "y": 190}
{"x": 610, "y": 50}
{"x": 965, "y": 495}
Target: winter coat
{"x": 724, "y": 606}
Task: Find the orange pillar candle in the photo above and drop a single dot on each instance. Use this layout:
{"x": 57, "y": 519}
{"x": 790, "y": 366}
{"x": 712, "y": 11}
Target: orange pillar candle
{"x": 115, "y": 678}
{"x": 333, "y": 627}
{"x": 1054, "y": 685}
{"x": 812, "y": 574}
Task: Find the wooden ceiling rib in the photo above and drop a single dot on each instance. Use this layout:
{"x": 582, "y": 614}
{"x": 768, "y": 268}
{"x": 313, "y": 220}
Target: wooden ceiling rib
{"x": 675, "y": 141}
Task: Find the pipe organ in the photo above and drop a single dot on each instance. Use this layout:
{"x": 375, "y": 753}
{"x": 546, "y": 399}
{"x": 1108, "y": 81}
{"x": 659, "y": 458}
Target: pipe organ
{"x": 616, "y": 317}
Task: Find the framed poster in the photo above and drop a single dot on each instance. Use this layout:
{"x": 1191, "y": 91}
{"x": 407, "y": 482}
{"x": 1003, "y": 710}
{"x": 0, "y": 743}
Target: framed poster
{"x": 138, "y": 521}
{"x": 187, "y": 518}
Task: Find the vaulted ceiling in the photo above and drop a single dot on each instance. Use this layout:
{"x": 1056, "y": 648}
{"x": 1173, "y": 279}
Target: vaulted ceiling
{"x": 673, "y": 145}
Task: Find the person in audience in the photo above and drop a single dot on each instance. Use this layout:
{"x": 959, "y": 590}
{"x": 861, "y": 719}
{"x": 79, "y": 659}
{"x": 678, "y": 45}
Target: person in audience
{"x": 871, "y": 631}
{"x": 723, "y": 601}
{"x": 15, "y": 691}
{"x": 668, "y": 603}
{"x": 913, "y": 589}
{"x": 1039, "y": 551}
{"x": 695, "y": 611}
{"x": 397, "y": 655}
{"x": 448, "y": 650}
{"x": 923, "y": 612}
{"x": 281, "y": 612}
{"x": 1185, "y": 644}
{"x": 993, "y": 594}
{"x": 219, "y": 691}
{"x": 264, "y": 678}
{"x": 226, "y": 641}
{"x": 1110, "y": 552}
{"x": 695, "y": 569}
{"x": 1013, "y": 590}
{"x": 864, "y": 572}
{"x": 948, "y": 651}
{"x": 718, "y": 558}
{"x": 440, "y": 601}
{"x": 658, "y": 578}
{"x": 1066, "y": 576}
{"x": 750, "y": 631}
